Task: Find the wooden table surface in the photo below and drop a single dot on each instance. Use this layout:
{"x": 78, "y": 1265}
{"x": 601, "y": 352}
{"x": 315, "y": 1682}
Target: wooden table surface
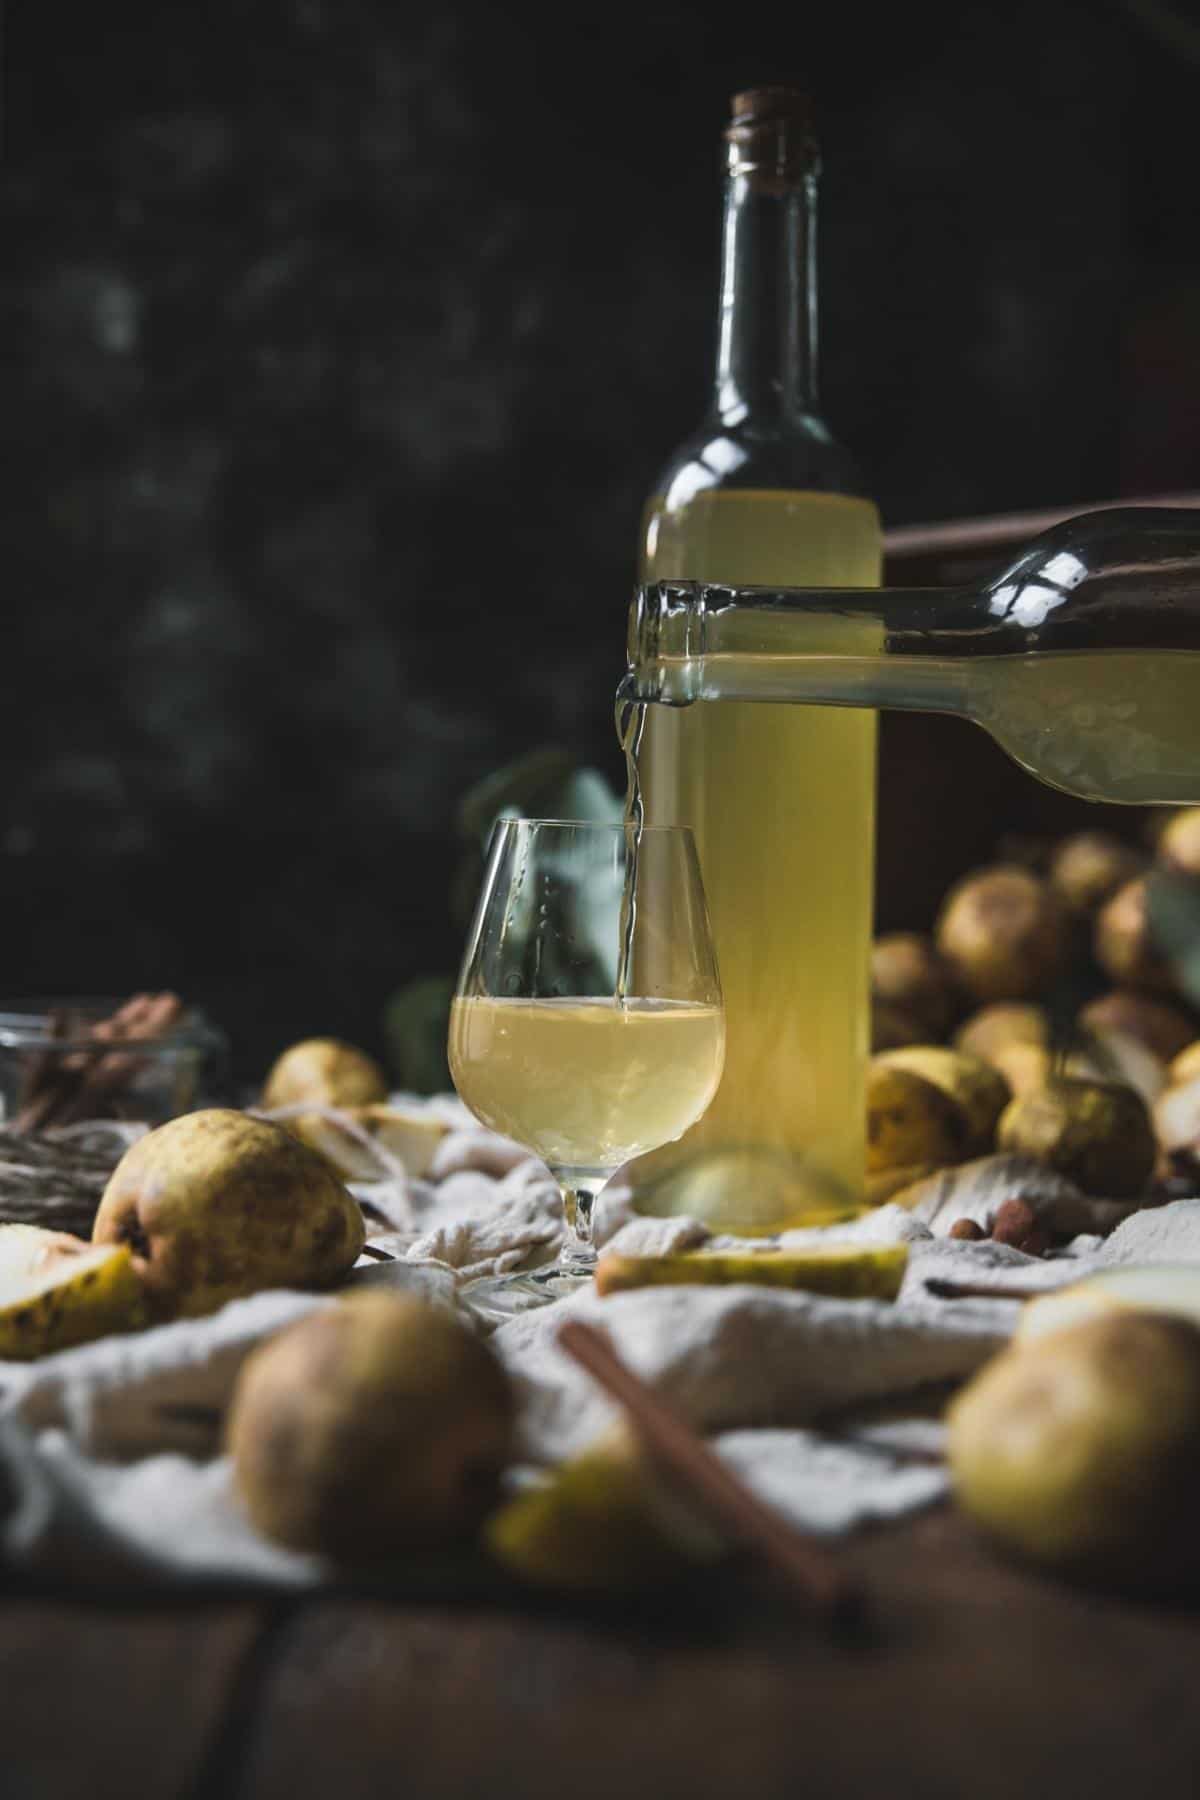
{"x": 981, "y": 1682}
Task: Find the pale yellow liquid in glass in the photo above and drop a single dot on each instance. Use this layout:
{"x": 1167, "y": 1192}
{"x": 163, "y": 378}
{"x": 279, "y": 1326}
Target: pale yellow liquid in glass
{"x": 781, "y": 799}
{"x": 586, "y": 1084}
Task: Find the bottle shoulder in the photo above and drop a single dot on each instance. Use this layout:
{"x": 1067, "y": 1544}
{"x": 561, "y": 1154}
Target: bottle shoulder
{"x": 723, "y": 457}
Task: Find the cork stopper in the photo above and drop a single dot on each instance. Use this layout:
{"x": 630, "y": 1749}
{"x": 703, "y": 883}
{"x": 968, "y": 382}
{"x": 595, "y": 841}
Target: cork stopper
{"x": 771, "y": 134}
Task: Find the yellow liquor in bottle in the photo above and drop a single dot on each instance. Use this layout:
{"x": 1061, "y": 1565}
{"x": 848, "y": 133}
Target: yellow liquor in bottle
{"x": 586, "y": 1084}
{"x": 781, "y": 799}
{"x": 782, "y": 808}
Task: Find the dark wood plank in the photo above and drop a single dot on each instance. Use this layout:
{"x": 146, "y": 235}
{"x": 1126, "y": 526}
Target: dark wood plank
{"x": 989, "y": 1683}
{"x": 103, "y": 1705}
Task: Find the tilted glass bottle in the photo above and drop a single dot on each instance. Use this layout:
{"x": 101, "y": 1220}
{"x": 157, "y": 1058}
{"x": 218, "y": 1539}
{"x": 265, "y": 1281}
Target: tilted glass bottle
{"x": 781, "y": 801}
{"x": 1082, "y": 658}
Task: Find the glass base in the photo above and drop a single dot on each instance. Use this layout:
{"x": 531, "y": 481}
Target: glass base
{"x": 497, "y": 1298}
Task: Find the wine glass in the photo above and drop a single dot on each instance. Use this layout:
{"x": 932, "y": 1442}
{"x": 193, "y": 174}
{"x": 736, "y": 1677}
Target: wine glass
{"x": 587, "y": 1023}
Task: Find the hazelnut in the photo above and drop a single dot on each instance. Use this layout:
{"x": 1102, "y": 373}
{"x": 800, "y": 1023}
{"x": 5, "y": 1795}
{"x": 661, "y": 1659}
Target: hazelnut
{"x": 1017, "y": 1225}
{"x": 1013, "y": 1222}
{"x": 967, "y": 1231}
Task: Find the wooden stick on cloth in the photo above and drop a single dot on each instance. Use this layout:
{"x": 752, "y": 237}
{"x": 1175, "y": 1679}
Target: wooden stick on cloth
{"x": 985, "y": 1290}
{"x": 826, "y": 1588}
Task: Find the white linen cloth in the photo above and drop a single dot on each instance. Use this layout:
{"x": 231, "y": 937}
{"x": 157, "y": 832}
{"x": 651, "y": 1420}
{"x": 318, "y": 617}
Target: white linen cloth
{"x": 110, "y": 1462}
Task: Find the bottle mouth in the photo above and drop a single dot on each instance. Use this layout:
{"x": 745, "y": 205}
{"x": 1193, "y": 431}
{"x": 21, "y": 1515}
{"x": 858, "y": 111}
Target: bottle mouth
{"x": 771, "y": 133}
{"x": 665, "y": 642}
{"x": 641, "y": 642}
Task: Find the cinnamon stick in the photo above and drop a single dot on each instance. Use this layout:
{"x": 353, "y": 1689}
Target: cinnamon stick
{"x": 41, "y": 1078}
{"x": 72, "y": 1085}
{"x": 825, "y": 1587}
{"x": 982, "y": 1290}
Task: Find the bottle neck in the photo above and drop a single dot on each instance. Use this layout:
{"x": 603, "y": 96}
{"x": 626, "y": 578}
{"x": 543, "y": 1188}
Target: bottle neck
{"x": 767, "y": 325}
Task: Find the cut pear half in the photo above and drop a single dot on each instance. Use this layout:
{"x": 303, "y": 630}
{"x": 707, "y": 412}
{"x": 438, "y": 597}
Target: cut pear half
{"x": 57, "y": 1291}
{"x": 408, "y": 1138}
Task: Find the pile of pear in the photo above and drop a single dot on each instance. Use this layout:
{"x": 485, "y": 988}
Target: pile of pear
{"x": 217, "y": 1205}
{"x": 973, "y": 1054}
{"x": 381, "y": 1428}
{"x": 384, "y": 1427}
{"x": 208, "y": 1208}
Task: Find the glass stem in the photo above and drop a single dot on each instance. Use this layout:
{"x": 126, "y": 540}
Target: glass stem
{"x": 579, "y": 1197}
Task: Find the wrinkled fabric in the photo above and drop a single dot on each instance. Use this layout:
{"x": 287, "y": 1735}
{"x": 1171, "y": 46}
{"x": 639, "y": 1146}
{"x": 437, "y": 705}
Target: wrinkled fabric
{"x": 111, "y": 1464}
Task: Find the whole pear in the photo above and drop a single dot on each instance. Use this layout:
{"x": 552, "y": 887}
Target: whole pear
{"x": 908, "y": 973}
{"x": 217, "y": 1204}
{"x": 1003, "y": 932}
{"x": 910, "y": 1119}
{"x": 1157, "y": 1024}
{"x": 1005, "y": 1022}
{"x": 376, "y": 1426}
{"x": 1172, "y": 1288}
{"x": 1080, "y": 1451}
{"x": 1097, "y": 1133}
{"x": 1124, "y": 945}
{"x": 324, "y": 1072}
{"x": 1178, "y": 844}
{"x": 1088, "y": 868}
{"x": 980, "y": 1090}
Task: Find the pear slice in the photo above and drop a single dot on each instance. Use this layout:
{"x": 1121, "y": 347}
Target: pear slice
{"x": 844, "y": 1270}
{"x": 1172, "y": 1288}
{"x": 607, "y": 1519}
{"x": 57, "y": 1290}
{"x": 411, "y": 1138}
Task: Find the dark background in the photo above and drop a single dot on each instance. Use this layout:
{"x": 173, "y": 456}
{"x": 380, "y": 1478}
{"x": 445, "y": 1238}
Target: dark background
{"x": 343, "y": 343}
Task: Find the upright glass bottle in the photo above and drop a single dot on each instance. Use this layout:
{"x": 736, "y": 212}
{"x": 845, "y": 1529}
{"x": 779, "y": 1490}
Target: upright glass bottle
{"x": 781, "y": 799}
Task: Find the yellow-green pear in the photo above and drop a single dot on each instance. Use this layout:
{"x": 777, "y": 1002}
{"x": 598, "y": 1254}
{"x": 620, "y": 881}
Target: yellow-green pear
{"x": 1097, "y": 1133}
{"x": 376, "y": 1426}
{"x": 1080, "y": 1451}
{"x": 980, "y": 1090}
{"x": 910, "y": 1119}
{"x": 218, "y": 1204}
{"x": 324, "y": 1072}
{"x": 1172, "y": 1288}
